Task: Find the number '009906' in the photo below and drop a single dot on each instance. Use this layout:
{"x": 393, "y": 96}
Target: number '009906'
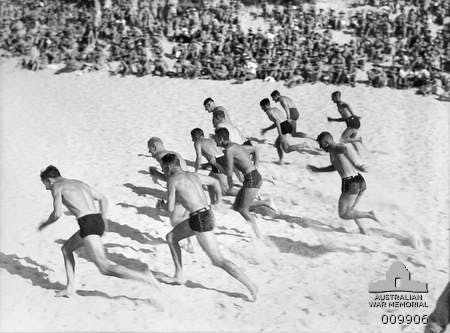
{"x": 404, "y": 319}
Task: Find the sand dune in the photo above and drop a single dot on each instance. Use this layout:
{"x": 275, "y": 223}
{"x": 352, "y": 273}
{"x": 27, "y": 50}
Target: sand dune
{"x": 94, "y": 127}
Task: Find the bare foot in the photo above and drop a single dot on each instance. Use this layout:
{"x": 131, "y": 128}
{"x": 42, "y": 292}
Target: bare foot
{"x": 361, "y": 230}
{"x": 253, "y": 293}
{"x": 65, "y": 293}
{"x": 374, "y": 217}
{"x": 187, "y": 246}
{"x": 177, "y": 279}
{"x": 151, "y": 280}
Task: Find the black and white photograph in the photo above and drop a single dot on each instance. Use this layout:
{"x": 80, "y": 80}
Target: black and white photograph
{"x": 224, "y": 166}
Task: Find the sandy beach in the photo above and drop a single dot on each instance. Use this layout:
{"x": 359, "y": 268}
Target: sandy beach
{"x": 94, "y": 127}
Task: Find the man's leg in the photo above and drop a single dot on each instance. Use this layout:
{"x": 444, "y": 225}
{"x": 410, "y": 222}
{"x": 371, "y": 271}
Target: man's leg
{"x": 246, "y": 197}
{"x": 179, "y": 215}
{"x": 208, "y": 242}
{"x": 96, "y": 252}
{"x": 301, "y": 148}
{"x": 179, "y": 232}
{"x": 279, "y": 149}
{"x": 67, "y": 249}
{"x": 348, "y": 212}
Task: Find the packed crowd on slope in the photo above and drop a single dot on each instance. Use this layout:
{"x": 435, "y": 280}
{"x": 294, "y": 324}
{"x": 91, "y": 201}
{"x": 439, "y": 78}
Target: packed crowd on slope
{"x": 392, "y": 41}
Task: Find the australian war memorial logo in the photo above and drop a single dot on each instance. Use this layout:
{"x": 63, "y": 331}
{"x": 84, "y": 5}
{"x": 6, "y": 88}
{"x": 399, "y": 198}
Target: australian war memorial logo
{"x": 399, "y": 296}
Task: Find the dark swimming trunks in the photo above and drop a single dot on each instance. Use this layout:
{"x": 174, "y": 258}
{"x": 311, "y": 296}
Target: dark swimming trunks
{"x": 293, "y": 112}
{"x": 201, "y": 220}
{"x": 353, "y": 185}
{"x": 353, "y": 122}
{"x": 286, "y": 127}
{"x": 247, "y": 143}
{"x": 91, "y": 224}
{"x": 252, "y": 180}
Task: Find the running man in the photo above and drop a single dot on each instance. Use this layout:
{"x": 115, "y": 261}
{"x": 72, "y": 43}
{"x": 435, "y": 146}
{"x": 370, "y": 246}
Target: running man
{"x": 353, "y": 184}
{"x": 238, "y": 157}
{"x": 156, "y": 148}
{"x": 210, "y": 107}
{"x": 79, "y": 198}
{"x": 208, "y": 148}
{"x": 292, "y": 113}
{"x": 219, "y": 121}
{"x": 345, "y": 112}
{"x": 185, "y": 188}
{"x": 158, "y": 151}
{"x": 283, "y": 126}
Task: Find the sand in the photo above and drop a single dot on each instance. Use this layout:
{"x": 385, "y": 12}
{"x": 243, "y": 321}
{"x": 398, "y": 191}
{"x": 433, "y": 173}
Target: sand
{"x": 95, "y": 127}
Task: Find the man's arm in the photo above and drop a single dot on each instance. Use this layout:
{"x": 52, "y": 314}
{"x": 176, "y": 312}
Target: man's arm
{"x": 271, "y": 127}
{"x": 198, "y": 158}
{"x": 285, "y": 107}
{"x": 215, "y": 164}
{"x": 214, "y": 184}
{"x": 254, "y": 151}
{"x": 171, "y": 200}
{"x": 155, "y": 174}
{"x": 57, "y": 209}
{"x": 230, "y": 167}
{"x": 103, "y": 202}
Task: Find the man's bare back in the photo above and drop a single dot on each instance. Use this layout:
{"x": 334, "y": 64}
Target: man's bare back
{"x": 77, "y": 196}
{"x": 188, "y": 191}
{"x": 240, "y": 157}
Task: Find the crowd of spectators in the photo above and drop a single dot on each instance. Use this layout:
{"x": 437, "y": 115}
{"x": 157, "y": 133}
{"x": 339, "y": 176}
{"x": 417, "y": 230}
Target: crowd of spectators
{"x": 397, "y": 43}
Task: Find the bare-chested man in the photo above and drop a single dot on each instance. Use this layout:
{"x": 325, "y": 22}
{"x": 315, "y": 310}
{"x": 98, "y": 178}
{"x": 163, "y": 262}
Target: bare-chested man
{"x": 79, "y": 198}
{"x": 345, "y": 112}
{"x": 210, "y": 107}
{"x": 283, "y": 126}
{"x": 208, "y": 148}
{"x": 292, "y": 113}
{"x": 353, "y": 184}
{"x": 185, "y": 188}
{"x": 238, "y": 157}
{"x": 219, "y": 121}
{"x": 158, "y": 151}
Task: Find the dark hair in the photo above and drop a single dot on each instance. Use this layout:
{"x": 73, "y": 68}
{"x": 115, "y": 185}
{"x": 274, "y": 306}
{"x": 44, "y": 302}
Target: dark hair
{"x": 206, "y": 101}
{"x": 323, "y": 135}
{"x": 197, "y": 132}
{"x": 171, "y": 159}
{"x": 264, "y": 102}
{"x": 50, "y": 172}
{"x": 219, "y": 114}
{"x": 353, "y": 122}
{"x": 223, "y": 133}
{"x": 336, "y": 93}
{"x": 275, "y": 93}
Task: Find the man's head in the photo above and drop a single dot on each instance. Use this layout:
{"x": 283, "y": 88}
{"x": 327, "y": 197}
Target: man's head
{"x": 222, "y": 137}
{"x": 155, "y": 145}
{"x": 218, "y": 117}
{"x": 265, "y": 104}
{"x": 275, "y": 95}
{"x": 49, "y": 175}
{"x": 170, "y": 163}
{"x": 325, "y": 139}
{"x": 209, "y": 104}
{"x": 196, "y": 134}
{"x": 336, "y": 96}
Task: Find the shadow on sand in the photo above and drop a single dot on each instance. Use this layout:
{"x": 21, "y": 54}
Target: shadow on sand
{"x": 11, "y": 263}
{"x": 154, "y": 213}
{"x": 306, "y": 222}
{"x": 143, "y": 191}
{"x": 286, "y": 245}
